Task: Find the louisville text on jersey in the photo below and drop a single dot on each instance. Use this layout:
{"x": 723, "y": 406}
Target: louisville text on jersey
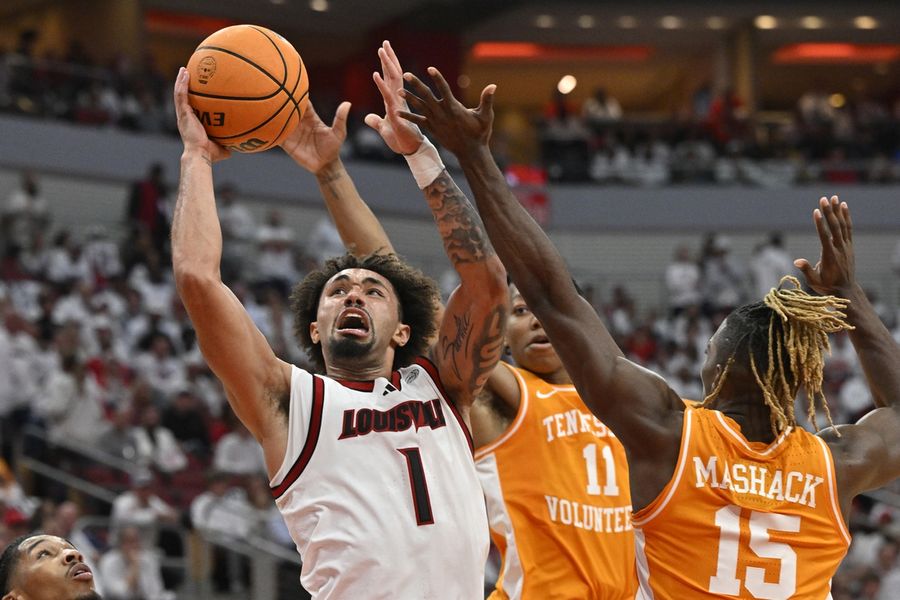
{"x": 401, "y": 417}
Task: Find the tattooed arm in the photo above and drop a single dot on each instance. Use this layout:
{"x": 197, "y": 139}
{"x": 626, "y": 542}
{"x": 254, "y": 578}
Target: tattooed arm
{"x": 471, "y": 333}
{"x": 471, "y": 329}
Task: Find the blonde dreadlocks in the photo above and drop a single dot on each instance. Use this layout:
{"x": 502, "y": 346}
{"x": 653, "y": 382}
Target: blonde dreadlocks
{"x": 786, "y": 338}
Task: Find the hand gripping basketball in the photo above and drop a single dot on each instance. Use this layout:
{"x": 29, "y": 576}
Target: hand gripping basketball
{"x": 192, "y": 133}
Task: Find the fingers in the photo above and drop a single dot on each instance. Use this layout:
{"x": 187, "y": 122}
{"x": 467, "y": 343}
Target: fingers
{"x": 441, "y": 84}
{"x": 837, "y": 207}
{"x": 414, "y": 101}
{"x": 486, "y": 104}
{"x": 339, "y": 125}
{"x": 392, "y": 56}
{"x": 413, "y": 118}
{"x": 418, "y": 88}
{"x": 386, "y": 93}
{"x": 374, "y": 121}
{"x": 181, "y": 90}
{"x": 828, "y": 209}
{"x": 390, "y": 66}
{"x": 810, "y": 273}
{"x": 822, "y": 230}
{"x": 845, "y": 211}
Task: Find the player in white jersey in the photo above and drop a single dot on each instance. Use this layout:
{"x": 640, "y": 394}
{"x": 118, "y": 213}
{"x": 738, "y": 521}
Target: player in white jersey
{"x": 370, "y": 458}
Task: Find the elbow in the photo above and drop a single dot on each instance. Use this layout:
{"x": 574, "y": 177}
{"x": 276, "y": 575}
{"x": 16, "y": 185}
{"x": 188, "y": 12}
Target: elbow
{"x": 193, "y": 283}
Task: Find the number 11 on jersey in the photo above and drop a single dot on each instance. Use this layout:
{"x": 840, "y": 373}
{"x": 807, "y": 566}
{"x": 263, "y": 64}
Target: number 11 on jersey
{"x": 590, "y": 459}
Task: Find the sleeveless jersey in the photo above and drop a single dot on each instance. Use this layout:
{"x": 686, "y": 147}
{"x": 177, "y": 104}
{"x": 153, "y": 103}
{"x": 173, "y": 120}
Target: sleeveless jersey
{"x": 379, "y": 491}
{"x": 559, "y": 505}
{"x": 742, "y": 519}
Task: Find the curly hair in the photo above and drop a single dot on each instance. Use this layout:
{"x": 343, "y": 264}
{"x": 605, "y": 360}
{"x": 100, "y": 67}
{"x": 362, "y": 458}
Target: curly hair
{"x": 784, "y": 339}
{"x": 417, "y": 294}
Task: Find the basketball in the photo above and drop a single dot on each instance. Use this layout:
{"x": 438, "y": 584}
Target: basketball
{"x": 248, "y": 87}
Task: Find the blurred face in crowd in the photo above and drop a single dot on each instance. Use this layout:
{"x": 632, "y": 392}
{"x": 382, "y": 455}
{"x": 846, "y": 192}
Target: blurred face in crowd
{"x": 50, "y": 568}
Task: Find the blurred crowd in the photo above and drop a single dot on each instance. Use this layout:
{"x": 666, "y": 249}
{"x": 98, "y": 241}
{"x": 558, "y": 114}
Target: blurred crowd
{"x": 827, "y": 137}
{"x": 102, "y": 357}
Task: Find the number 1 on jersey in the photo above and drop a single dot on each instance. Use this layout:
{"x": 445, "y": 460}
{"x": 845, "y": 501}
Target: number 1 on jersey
{"x": 590, "y": 459}
{"x": 418, "y": 485}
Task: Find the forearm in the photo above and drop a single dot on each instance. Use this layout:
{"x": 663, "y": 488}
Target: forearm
{"x": 879, "y": 354}
{"x": 463, "y": 234}
{"x": 357, "y": 225}
{"x": 196, "y": 232}
{"x": 529, "y": 256}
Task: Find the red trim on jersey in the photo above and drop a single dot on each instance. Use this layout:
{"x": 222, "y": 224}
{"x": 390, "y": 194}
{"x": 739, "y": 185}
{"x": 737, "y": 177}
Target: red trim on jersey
{"x": 312, "y": 438}
{"x": 395, "y": 379}
{"x": 360, "y": 386}
{"x": 432, "y": 371}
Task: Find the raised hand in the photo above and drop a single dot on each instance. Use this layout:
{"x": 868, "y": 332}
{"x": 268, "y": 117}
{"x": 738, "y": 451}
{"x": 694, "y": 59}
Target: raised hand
{"x": 400, "y": 135}
{"x": 835, "y": 271}
{"x": 189, "y": 128}
{"x": 313, "y": 144}
{"x": 454, "y": 126}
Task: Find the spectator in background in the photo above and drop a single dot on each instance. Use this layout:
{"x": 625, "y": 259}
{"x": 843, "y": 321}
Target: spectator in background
{"x": 161, "y": 368}
{"x": 275, "y": 263}
{"x": 141, "y": 507}
{"x": 102, "y": 254}
{"x": 325, "y": 241}
{"x": 156, "y": 445}
{"x": 220, "y": 513}
{"x": 727, "y": 117}
{"x": 601, "y": 110}
{"x": 769, "y": 263}
{"x": 71, "y": 405}
{"x": 238, "y": 232}
{"x": 146, "y": 205}
{"x": 682, "y": 281}
{"x": 722, "y": 276}
{"x": 187, "y": 422}
{"x": 66, "y": 263}
{"x": 118, "y": 441}
{"x": 238, "y": 453}
{"x": 25, "y": 212}
{"x": 131, "y": 572}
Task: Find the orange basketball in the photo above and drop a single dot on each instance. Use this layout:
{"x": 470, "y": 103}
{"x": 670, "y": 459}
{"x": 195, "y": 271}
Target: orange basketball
{"x": 248, "y": 87}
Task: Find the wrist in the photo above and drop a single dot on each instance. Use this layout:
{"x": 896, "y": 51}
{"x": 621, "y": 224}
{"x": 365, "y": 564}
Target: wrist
{"x": 329, "y": 169}
{"x": 191, "y": 153}
{"x": 425, "y": 164}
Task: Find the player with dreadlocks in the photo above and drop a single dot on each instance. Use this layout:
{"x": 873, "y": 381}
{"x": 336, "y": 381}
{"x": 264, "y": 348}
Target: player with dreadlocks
{"x": 731, "y": 498}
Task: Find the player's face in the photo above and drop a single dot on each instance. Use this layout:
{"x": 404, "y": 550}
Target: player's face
{"x": 529, "y": 345}
{"x": 50, "y": 568}
{"x": 712, "y": 366}
{"x": 358, "y": 314}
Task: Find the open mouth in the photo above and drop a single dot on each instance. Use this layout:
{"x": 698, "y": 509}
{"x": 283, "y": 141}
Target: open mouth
{"x": 540, "y": 341}
{"x": 353, "y": 322}
{"x": 81, "y": 572}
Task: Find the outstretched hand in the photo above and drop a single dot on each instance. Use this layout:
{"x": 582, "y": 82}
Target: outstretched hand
{"x": 835, "y": 271}
{"x": 400, "y": 135}
{"x": 454, "y": 126}
{"x": 190, "y": 129}
{"x": 313, "y": 144}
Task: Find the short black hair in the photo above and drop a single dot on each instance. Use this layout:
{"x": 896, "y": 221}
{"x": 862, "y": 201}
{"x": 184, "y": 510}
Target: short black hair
{"x": 417, "y": 294}
{"x": 9, "y": 560}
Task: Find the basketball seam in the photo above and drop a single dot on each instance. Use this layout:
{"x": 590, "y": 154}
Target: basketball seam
{"x": 296, "y": 108}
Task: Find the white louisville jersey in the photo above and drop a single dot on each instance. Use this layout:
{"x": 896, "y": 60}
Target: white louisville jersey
{"x": 379, "y": 491}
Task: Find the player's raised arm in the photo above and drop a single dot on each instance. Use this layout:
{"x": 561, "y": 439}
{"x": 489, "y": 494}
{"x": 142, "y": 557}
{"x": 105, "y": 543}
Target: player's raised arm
{"x": 636, "y": 404}
{"x": 254, "y": 378}
{"x": 471, "y": 330}
{"x": 867, "y": 454}
{"x": 317, "y": 148}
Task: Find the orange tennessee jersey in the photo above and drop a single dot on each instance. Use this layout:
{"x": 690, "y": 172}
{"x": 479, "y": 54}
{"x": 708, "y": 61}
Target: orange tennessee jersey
{"x": 742, "y": 519}
{"x": 559, "y": 505}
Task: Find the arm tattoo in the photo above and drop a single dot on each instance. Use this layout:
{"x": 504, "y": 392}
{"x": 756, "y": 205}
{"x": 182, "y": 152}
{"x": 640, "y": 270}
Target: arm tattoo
{"x": 476, "y": 353}
{"x": 465, "y": 240}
